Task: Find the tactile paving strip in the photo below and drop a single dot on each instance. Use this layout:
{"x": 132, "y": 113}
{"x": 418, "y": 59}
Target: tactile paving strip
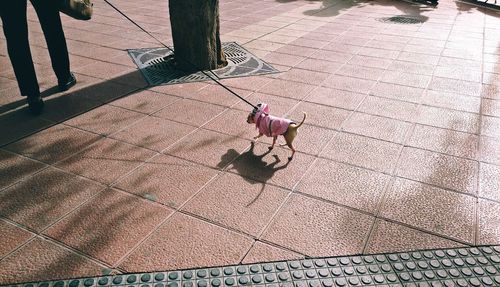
{"x": 158, "y": 69}
{"x": 462, "y": 267}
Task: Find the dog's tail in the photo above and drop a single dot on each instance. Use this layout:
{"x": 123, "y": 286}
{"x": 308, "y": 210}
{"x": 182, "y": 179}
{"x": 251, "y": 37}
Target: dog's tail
{"x": 303, "y": 120}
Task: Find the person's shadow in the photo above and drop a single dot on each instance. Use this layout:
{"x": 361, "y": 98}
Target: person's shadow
{"x": 252, "y": 167}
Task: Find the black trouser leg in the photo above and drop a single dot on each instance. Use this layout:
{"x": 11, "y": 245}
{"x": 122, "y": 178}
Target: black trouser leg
{"x": 15, "y": 28}
{"x": 50, "y": 20}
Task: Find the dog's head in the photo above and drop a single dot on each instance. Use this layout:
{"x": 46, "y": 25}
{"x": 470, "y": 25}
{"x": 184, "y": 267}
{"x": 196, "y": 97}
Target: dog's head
{"x": 251, "y": 115}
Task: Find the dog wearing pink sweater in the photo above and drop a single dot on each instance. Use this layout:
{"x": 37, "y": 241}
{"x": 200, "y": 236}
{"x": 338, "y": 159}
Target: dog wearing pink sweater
{"x": 272, "y": 126}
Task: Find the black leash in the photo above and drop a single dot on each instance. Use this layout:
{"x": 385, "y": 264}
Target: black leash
{"x": 193, "y": 65}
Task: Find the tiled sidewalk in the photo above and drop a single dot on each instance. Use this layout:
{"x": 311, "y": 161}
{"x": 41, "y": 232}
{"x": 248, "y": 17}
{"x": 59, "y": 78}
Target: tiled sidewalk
{"x": 399, "y": 151}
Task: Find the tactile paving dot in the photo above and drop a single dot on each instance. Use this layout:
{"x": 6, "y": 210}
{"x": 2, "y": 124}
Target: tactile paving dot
{"x": 436, "y": 268}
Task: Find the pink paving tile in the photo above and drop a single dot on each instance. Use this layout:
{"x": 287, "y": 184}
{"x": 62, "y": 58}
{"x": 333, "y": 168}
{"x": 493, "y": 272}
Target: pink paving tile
{"x": 360, "y": 72}
{"x": 133, "y": 79}
{"x": 304, "y": 76}
{"x": 209, "y": 148}
{"x": 349, "y": 84}
{"x": 472, "y": 53}
{"x": 438, "y": 169}
{"x": 489, "y": 150}
{"x": 455, "y": 86}
{"x": 273, "y": 166}
{"x": 379, "y": 43}
{"x": 335, "y": 98}
{"x": 332, "y": 56}
{"x": 377, "y": 127}
{"x": 106, "y": 160}
{"x": 342, "y": 47}
{"x": 308, "y": 42}
{"x": 262, "y": 252}
{"x": 238, "y": 203}
{"x": 320, "y": 36}
{"x": 42, "y": 199}
{"x": 186, "y": 242}
{"x": 399, "y": 110}
{"x": 367, "y": 61}
{"x": 452, "y": 101}
{"x": 380, "y": 53}
{"x": 489, "y": 222}
{"x": 145, "y": 101}
{"x": 490, "y": 126}
{"x": 344, "y": 184}
{"x": 311, "y": 139}
{"x": 153, "y": 133}
{"x": 406, "y": 79}
{"x": 19, "y": 124}
{"x": 362, "y": 151}
{"x": 273, "y": 37}
{"x": 14, "y": 167}
{"x": 454, "y": 62}
{"x": 287, "y": 89}
{"x": 216, "y": 94}
{"x": 430, "y": 208}
{"x": 428, "y": 49}
{"x": 296, "y": 50}
{"x": 489, "y": 181}
{"x": 388, "y": 237}
{"x": 412, "y": 68}
{"x": 319, "y": 65}
{"x": 104, "y": 70}
{"x": 263, "y": 45}
{"x": 180, "y": 90}
{"x": 490, "y": 107}
{"x": 118, "y": 222}
{"x": 449, "y": 119}
{"x": 246, "y": 83}
{"x": 42, "y": 260}
{"x": 282, "y": 59}
{"x": 397, "y": 92}
{"x": 105, "y": 120}
{"x": 233, "y": 122}
{"x": 12, "y": 237}
{"x": 190, "y": 112}
{"x": 487, "y": 68}
{"x": 89, "y": 93}
{"x": 168, "y": 180}
{"x": 54, "y": 144}
{"x": 490, "y": 92}
{"x": 418, "y": 58}
{"x": 318, "y": 228}
{"x": 445, "y": 141}
{"x": 323, "y": 116}
{"x": 458, "y": 72}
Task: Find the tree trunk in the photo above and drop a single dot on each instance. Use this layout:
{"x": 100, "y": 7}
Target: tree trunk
{"x": 195, "y": 32}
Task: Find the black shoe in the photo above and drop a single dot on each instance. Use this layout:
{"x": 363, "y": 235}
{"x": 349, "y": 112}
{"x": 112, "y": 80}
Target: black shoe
{"x": 68, "y": 83}
{"x": 35, "y": 105}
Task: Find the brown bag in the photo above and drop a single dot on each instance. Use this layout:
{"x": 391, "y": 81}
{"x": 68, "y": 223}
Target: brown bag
{"x": 78, "y": 9}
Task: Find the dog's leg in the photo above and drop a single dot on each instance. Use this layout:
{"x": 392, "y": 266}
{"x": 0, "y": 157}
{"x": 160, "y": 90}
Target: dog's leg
{"x": 274, "y": 142}
{"x": 255, "y": 138}
{"x": 293, "y": 150}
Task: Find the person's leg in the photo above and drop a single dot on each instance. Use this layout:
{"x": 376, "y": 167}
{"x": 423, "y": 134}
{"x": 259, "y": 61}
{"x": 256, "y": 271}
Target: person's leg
{"x": 50, "y": 20}
{"x": 15, "y": 27}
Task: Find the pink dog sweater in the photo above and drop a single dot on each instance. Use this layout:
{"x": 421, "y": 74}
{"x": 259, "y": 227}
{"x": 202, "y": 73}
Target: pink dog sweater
{"x": 268, "y": 125}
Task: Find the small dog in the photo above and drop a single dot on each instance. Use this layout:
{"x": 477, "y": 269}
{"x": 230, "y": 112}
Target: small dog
{"x": 272, "y": 126}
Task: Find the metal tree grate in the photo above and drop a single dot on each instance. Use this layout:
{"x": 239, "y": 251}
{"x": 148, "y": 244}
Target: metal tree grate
{"x": 404, "y": 19}
{"x": 157, "y": 65}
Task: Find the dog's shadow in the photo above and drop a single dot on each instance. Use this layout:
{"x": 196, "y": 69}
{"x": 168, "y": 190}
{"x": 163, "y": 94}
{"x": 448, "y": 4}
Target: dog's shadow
{"x": 252, "y": 167}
